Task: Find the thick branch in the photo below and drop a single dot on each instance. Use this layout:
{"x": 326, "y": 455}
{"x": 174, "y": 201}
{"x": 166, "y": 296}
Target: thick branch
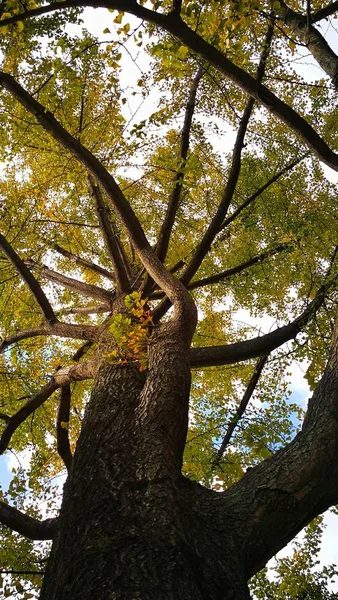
{"x": 241, "y": 409}
{"x": 29, "y": 279}
{"x": 85, "y": 310}
{"x": 111, "y": 243}
{"x": 84, "y": 262}
{"x": 26, "y": 334}
{"x": 185, "y": 314}
{"x": 313, "y": 39}
{"x": 79, "y": 372}
{"x": 261, "y": 345}
{"x": 66, "y": 330}
{"x": 70, "y": 283}
{"x": 25, "y": 525}
{"x": 62, "y": 424}
{"x": 325, "y": 12}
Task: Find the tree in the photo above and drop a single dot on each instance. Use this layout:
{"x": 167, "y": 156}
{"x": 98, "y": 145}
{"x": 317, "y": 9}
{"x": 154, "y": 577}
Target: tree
{"x": 113, "y": 234}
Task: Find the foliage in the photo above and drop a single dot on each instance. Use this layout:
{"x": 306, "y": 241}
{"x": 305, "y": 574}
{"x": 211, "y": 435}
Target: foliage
{"x": 131, "y": 332}
{"x": 297, "y": 577}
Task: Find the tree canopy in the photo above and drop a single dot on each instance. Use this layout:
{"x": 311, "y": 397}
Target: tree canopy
{"x": 187, "y": 146}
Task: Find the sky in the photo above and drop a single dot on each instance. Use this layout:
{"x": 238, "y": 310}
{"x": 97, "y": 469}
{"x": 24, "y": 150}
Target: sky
{"x": 95, "y": 22}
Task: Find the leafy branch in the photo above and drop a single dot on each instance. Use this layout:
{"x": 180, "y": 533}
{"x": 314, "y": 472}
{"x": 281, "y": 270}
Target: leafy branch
{"x": 131, "y": 333}
{"x": 241, "y": 409}
{"x": 29, "y": 279}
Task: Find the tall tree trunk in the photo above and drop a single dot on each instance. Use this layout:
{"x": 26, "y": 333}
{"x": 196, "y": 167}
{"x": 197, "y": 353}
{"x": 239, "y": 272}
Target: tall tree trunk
{"x": 131, "y": 526}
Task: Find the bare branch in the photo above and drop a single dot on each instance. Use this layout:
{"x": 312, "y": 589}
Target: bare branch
{"x": 325, "y": 12}
{"x": 177, "y": 6}
{"x": 85, "y": 310}
{"x": 62, "y": 424}
{"x": 25, "y": 525}
{"x": 5, "y": 417}
{"x": 66, "y": 330}
{"x": 241, "y": 78}
{"x": 241, "y": 409}
{"x": 122, "y": 5}
{"x": 82, "y": 351}
{"x": 261, "y": 345}
{"x": 84, "y": 262}
{"x": 111, "y": 243}
{"x": 228, "y": 272}
{"x": 215, "y": 223}
{"x": 29, "y": 279}
{"x": 308, "y": 14}
{"x": 247, "y": 202}
{"x": 25, "y": 334}
{"x": 75, "y": 285}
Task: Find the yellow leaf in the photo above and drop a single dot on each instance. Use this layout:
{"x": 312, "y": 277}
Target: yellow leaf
{"x": 64, "y": 424}
{"x": 119, "y": 18}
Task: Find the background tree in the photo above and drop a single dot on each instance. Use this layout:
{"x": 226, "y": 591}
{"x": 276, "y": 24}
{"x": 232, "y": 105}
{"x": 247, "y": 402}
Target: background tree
{"x": 115, "y": 229}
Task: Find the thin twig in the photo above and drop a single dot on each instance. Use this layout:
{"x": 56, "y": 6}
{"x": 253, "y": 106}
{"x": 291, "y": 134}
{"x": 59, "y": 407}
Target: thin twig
{"x": 241, "y": 409}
